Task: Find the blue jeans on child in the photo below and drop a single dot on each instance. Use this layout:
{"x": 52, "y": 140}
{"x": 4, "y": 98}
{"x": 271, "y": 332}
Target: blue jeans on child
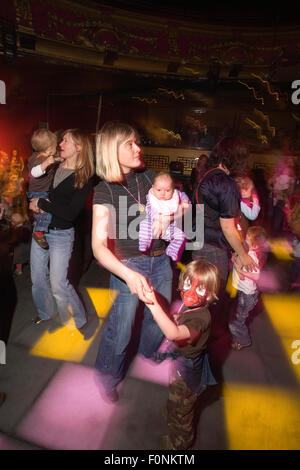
{"x": 238, "y": 327}
{"x": 111, "y": 358}
{"x": 51, "y": 289}
{"x": 43, "y": 220}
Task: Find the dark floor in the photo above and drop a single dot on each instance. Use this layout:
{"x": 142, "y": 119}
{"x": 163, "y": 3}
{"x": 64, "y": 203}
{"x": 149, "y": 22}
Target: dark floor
{"x": 52, "y": 401}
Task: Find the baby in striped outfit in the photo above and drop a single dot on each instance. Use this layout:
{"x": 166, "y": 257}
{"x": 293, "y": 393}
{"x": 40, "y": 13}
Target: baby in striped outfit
{"x": 163, "y": 203}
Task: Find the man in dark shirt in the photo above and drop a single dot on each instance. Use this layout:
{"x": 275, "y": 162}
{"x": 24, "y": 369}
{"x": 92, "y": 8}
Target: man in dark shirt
{"x": 219, "y": 194}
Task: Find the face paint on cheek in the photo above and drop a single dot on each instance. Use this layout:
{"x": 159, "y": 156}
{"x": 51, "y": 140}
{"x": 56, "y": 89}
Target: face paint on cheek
{"x": 193, "y": 296}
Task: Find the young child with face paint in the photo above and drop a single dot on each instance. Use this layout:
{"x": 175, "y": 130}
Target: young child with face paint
{"x": 189, "y": 333}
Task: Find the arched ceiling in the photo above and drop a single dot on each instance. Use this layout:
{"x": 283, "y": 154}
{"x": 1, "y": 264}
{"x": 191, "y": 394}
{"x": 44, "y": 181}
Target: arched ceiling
{"x": 254, "y": 13}
{"x": 226, "y": 40}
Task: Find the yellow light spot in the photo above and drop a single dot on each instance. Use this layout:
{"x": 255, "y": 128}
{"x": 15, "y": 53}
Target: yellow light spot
{"x": 63, "y": 344}
{"x": 102, "y": 299}
{"x": 229, "y": 287}
{"x": 281, "y": 249}
{"x": 283, "y": 311}
{"x": 181, "y": 266}
{"x": 259, "y": 418}
{"x": 67, "y": 343}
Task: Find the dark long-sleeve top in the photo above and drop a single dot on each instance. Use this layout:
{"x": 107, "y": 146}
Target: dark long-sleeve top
{"x": 66, "y": 202}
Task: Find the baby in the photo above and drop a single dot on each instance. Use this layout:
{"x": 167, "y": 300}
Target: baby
{"x": 41, "y": 169}
{"x": 163, "y": 203}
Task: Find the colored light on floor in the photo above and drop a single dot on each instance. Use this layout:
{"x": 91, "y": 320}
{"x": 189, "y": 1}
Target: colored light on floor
{"x": 67, "y": 343}
{"x": 283, "y": 311}
{"x": 229, "y": 287}
{"x": 70, "y": 413}
{"x": 281, "y": 249}
{"x": 261, "y": 418}
{"x": 102, "y": 299}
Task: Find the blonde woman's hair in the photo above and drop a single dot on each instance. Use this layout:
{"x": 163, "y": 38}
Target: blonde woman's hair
{"x": 84, "y": 168}
{"x": 207, "y": 274}
{"x": 42, "y": 139}
{"x": 108, "y": 142}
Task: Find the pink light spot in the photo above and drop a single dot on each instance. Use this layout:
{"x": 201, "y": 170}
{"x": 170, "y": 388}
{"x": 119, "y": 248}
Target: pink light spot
{"x": 7, "y": 443}
{"x": 70, "y": 413}
{"x": 150, "y": 371}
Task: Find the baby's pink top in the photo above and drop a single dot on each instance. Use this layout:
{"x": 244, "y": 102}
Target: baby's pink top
{"x": 165, "y": 207}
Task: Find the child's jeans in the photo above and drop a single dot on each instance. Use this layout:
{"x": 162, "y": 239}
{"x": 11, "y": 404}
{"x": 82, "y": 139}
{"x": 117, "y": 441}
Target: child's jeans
{"x": 237, "y": 326}
{"x": 43, "y": 220}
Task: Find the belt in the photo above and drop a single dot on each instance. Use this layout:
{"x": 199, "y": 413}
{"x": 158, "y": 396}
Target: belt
{"x": 158, "y": 252}
{"x": 58, "y": 228}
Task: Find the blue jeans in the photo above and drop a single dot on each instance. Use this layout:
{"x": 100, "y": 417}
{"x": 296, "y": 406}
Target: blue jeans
{"x": 43, "y": 220}
{"x": 111, "y": 359}
{"x": 238, "y": 327}
{"x": 51, "y": 289}
{"x": 217, "y": 256}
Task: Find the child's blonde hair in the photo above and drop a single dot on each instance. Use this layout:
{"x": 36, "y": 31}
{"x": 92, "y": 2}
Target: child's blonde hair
{"x": 257, "y": 235}
{"x": 207, "y": 274}
{"x": 42, "y": 139}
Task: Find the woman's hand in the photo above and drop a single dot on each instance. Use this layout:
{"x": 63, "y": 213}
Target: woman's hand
{"x": 152, "y": 297}
{"x": 138, "y": 284}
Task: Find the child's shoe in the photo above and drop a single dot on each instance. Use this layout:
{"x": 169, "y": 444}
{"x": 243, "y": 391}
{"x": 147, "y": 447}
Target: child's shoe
{"x": 41, "y": 240}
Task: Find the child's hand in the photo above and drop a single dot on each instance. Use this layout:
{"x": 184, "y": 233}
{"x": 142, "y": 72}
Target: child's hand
{"x": 152, "y": 298}
{"x": 255, "y": 198}
{"x": 33, "y": 206}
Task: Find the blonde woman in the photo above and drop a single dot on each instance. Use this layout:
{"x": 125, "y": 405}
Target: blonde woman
{"x": 70, "y": 188}
{"x": 119, "y": 205}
